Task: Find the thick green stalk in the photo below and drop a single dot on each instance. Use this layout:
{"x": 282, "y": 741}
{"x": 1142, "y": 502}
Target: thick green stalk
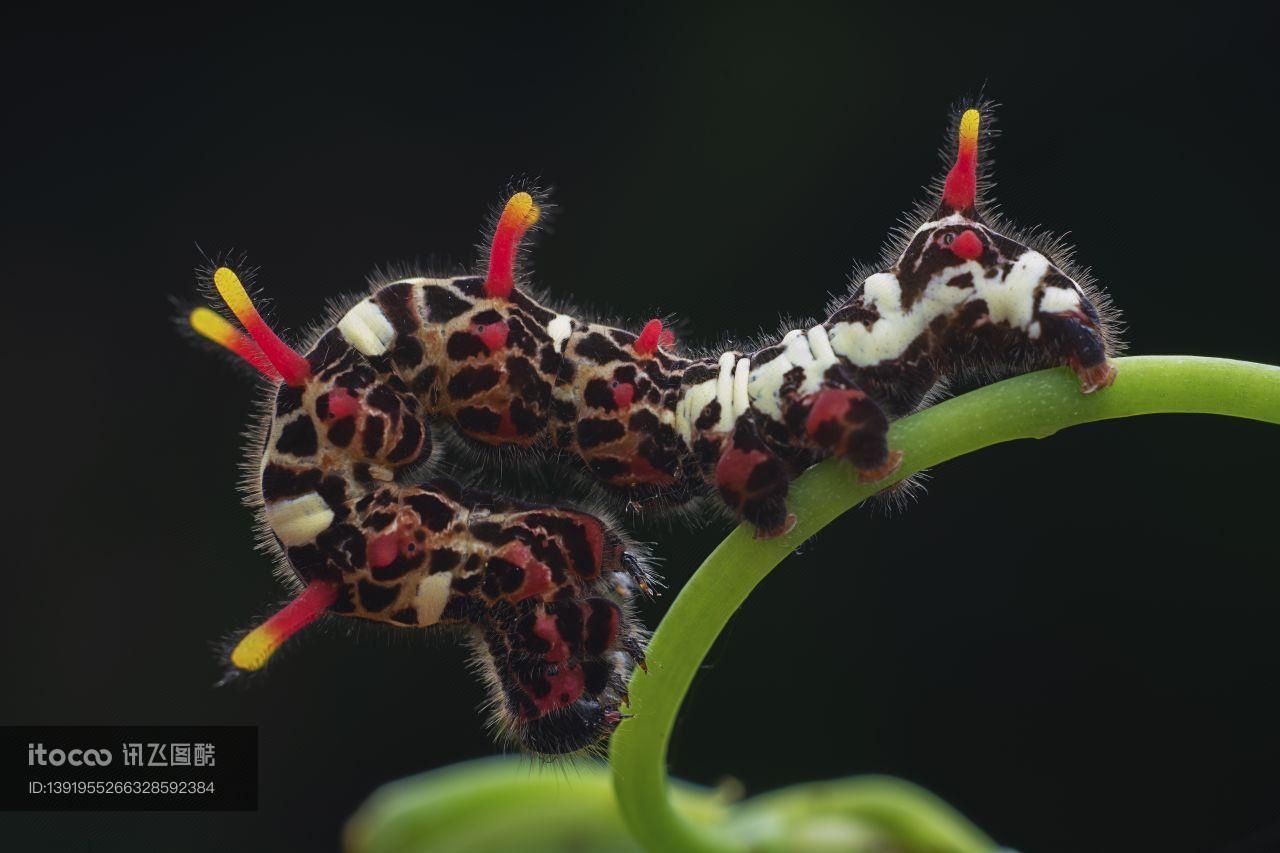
{"x": 1031, "y": 406}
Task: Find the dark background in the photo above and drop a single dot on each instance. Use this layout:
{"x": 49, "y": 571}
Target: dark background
{"x": 1073, "y": 641}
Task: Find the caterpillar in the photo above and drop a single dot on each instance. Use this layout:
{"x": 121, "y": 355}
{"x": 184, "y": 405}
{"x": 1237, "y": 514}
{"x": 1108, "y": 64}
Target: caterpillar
{"x": 342, "y": 477}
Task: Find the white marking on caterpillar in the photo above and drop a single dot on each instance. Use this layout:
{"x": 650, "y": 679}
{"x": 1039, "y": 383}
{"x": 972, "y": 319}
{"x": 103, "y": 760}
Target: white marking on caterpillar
{"x": 820, "y": 346}
{"x": 795, "y": 348}
{"x": 433, "y": 595}
{"x": 765, "y": 383}
{"x": 810, "y": 351}
{"x": 1059, "y": 300}
{"x": 691, "y": 405}
{"x": 1009, "y": 299}
{"x": 953, "y": 219}
{"x": 894, "y": 331}
{"x": 730, "y": 389}
{"x": 741, "y": 399}
{"x": 299, "y": 520}
{"x": 1014, "y": 301}
{"x": 724, "y": 391}
{"x": 366, "y": 328}
{"x": 560, "y": 328}
{"x": 724, "y": 382}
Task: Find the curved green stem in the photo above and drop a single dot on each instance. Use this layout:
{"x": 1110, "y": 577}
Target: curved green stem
{"x": 1031, "y": 406}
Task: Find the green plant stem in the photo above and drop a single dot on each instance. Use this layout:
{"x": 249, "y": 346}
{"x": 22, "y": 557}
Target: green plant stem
{"x": 1031, "y": 406}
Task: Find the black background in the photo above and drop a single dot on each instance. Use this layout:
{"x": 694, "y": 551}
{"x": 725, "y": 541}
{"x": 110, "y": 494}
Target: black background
{"x": 1073, "y": 641}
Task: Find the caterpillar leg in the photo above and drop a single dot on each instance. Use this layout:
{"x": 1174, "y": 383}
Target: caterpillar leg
{"x": 1075, "y": 336}
{"x": 850, "y": 424}
{"x": 753, "y": 480}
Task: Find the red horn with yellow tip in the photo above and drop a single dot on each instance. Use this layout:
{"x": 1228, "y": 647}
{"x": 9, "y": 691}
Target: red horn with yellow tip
{"x": 252, "y": 652}
{"x": 210, "y": 325}
{"x": 293, "y": 368}
{"x": 960, "y": 192}
{"x": 517, "y": 218}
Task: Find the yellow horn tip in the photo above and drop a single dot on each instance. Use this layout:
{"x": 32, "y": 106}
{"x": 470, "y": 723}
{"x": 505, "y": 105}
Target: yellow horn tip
{"x": 522, "y": 208}
{"x": 251, "y": 653}
{"x": 231, "y": 290}
{"x": 969, "y": 125}
{"x": 211, "y": 325}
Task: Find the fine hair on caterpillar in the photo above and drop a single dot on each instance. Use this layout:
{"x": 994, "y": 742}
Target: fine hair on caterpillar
{"x": 349, "y": 479}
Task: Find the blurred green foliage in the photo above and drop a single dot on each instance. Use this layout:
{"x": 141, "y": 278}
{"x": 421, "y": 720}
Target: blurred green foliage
{"x": 510, "y": 804}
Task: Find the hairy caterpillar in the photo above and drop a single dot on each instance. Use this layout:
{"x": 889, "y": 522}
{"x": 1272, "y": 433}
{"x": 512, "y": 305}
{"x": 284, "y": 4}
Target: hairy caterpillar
{"x": 343, "y": 496}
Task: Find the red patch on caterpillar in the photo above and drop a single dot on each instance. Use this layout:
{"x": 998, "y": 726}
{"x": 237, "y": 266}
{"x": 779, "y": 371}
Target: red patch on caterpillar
{"x": 594, "y": 535}
{"x": 506, "y": 425}
{"x": 545, "y": 628}
{"x": 342, "y": 403}
{"x": 967, "y": 245}
{"x": 383, "y": 550}
{"x": 566, "y": 688}
{"x": 613, "y": 627}
{"x": 623, "y": 394}
{"x": 494, "y": 335}
{"x": 830, "y": 404}
{"x": 537, "y": 577}
{"x": 735, "y": 467}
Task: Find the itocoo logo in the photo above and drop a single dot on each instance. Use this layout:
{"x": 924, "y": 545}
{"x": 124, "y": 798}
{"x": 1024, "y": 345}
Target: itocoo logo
{"x": 37, "y": 754}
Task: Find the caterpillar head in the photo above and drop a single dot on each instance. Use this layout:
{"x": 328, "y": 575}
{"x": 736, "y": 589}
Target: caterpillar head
{"x": 1004, "y": 291}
